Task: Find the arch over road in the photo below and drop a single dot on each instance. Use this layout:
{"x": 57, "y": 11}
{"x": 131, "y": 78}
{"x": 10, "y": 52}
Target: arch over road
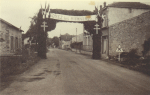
{"x": 49, "y": 18}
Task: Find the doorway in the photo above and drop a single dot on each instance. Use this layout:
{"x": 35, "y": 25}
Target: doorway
{"x": 104, "y": 46}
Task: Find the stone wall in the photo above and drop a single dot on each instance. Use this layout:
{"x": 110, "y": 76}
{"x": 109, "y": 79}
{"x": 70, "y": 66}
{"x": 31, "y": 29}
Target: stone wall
{"x": 6, "y": 32}
{"x": 130, "y": 34}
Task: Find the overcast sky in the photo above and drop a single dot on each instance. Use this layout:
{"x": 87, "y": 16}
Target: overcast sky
{"x": 17, "y": 12}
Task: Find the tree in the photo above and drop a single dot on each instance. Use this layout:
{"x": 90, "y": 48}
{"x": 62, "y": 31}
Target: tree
{"x": 49, "y": 42}
{"x": 55, "y": 40}
{"x": 32, "y": 31}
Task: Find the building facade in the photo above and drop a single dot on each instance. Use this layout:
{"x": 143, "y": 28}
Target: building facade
{"x": 78, "y": 38}
{"x": 11, "y": 38}
{"x": 87, "y": 42}
{"x": 65, "y": 41}
{"x": 120, "y": 26}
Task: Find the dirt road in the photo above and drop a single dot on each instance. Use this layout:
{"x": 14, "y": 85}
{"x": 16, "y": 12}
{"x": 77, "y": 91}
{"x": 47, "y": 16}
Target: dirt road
{"x": 68, "y": 73}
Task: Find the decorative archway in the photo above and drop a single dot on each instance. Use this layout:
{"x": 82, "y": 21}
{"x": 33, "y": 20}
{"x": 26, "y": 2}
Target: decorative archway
{"x": 47, "y": 19}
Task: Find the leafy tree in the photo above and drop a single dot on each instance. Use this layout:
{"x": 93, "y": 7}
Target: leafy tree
{"x": 49, "y": 42}
{"x": 55, "y": 40}
{"x": 32, "y": 31}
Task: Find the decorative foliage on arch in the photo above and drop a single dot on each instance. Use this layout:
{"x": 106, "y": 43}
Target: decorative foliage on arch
{"x": 88, "y": 25}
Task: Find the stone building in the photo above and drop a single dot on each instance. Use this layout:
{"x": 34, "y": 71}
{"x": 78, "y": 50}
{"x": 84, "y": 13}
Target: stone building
{"x": 125, "y": 23}
{"x": 85, "y": 39}
{"x": 65, "y": 41}
{"x": 87, "y": 42}
{"x": 10, "y": 38}
{"x": 78, "y": 38}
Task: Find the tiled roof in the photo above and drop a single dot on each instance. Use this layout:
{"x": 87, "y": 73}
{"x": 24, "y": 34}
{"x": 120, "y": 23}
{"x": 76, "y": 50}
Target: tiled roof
{"x": 136, "y": 5}
{"x": 10, "y": 24}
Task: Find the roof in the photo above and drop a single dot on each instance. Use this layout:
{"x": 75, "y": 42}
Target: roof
{"x": 66, "y": 37}
{"x": 10, "y": 24}
{"x": 136, "y": 5}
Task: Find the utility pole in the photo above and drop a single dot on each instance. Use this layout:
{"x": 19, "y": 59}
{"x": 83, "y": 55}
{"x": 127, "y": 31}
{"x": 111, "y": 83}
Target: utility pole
{"x": 76, "y": 40}
{"x": 60, "y": 40}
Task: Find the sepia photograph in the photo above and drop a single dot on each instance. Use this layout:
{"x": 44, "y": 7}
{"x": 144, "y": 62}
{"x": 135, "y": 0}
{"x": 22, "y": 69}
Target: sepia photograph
{"x": 74, "y": 47}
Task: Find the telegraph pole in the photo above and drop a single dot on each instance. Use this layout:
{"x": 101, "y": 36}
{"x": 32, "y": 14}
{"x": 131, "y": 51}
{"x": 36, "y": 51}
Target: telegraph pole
{"x": 76, "y": 40}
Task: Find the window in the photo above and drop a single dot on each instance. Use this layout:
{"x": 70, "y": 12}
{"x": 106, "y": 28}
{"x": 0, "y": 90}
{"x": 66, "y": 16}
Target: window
{"x": 16, "y": 43}
{"x": 12, "y": 43}
{"x": 1, "y": 37}
{"x": 105, "y": 21}
{"x": 7, "y": 37}
{"x": 130, "y": 10}
{"x": 104, "y": 44}
{"x": 20, "y": 43}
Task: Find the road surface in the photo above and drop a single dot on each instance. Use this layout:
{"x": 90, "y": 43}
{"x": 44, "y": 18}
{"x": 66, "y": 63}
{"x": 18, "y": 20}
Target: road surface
{"x": 68, "y": 73}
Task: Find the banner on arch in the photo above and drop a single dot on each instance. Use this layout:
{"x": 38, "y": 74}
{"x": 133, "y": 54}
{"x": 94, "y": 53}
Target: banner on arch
{"x": 72, "y": 18}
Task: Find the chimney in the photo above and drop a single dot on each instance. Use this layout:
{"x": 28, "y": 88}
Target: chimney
{"x": 104, "y": 4}
{"x": 100, "y": 7}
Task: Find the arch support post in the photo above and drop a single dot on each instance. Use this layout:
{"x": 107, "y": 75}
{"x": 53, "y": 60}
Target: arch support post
{"x": 96, "y": 45}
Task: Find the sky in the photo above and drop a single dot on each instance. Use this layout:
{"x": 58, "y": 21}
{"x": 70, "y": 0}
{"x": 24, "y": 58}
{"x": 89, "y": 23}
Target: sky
{"x": 18, "y": 12}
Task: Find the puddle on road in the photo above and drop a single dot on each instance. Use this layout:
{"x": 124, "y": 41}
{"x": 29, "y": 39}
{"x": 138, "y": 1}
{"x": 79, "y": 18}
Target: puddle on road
{"x": 25, "y": 90}
{"x": 57, "y": 73}
{"x": 58, "y": 65}
{"x": 48, "y": 71}
{"x": 30, "y": 79}
{"x": 72, "y": 62}
{"x": 39, "y": 74}
{"x": 54, "y": 72}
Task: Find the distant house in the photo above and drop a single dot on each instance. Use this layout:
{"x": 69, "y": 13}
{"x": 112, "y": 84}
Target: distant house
{"x": 87, "y": 42}
{"x": 65, "y": 41}
{"x": 85, "y": 39}
{"x": 26, "y": 41}
{"x": 78, "y": 38}
{"x": 125, "y": 23}
{"x": 10, "y": 38}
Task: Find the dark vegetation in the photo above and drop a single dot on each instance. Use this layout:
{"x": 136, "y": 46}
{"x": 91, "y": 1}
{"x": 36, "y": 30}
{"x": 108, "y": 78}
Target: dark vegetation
{"x": 130, "y": 58}
{"x": 55, "y": 41}
{"x": 73, "y": 12}
{"x": 16, "y": 64}
{"x": 76, "y": 45}
{"x": 133, "y": 61}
